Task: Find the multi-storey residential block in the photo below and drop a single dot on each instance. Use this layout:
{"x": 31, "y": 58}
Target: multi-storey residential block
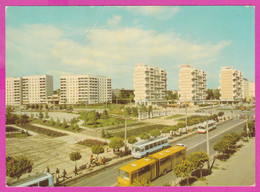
{"x": 248, "y": 90}
{"x": 192, "y": 84}
{"x": 231, "y": 84}
{"x": 150, "y": 85}
{"x": 13, "y": 91}
{"x": 36, "y": 89}
{"x": 87, "y": 89}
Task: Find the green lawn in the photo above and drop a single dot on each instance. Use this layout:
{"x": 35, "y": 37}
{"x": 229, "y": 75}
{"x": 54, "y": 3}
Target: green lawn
{"x": 175, "y": 116}
{"x": 18, "y": 135}
{"x": 106, "y": 122}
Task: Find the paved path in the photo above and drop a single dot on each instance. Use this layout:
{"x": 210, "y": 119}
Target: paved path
{"x": 239, "y": 170}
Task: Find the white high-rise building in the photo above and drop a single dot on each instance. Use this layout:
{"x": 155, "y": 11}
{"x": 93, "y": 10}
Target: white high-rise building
{"x": 75, "y": 89}
{"x": 36, "y": 89}
{"x": 231, "y": 82}
{"x": 150, "y": 84}
{"x": 13, "y": 91}
{"x": 192, "y": 84}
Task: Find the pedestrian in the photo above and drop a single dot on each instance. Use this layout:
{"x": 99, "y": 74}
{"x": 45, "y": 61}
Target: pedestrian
{"x": 104, "y": 160}
{"x": 76, "y": 170}
{"x": 96, "y": 160}
{"x": 57, "y": 175}
{"x": 91, "y": 159}
{"x": 48, "y": 169}
{"x": 64, "y": 174}
{"x": 100, "y": 161}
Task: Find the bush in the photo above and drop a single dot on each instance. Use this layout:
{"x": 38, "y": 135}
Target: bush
{"x": 144, "y": 135}
{"x": 220, "y": 113}
{"x": 166, "y": 130}
{"x": 132, "y": 140}
{"x": 155, "y": 133}
{"x": 97, "y": 149}
{"x": 91, "y": 142}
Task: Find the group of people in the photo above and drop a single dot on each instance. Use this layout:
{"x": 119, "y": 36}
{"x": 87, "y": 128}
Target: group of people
{"x": 96, "y": 161}
{"x": 58, "y": 176}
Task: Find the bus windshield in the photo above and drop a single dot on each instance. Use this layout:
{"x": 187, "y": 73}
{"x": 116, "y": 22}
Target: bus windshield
{"x": 136, "y": 149}
{"x": 201, "y": 127}
{"x": 123, "y": 174}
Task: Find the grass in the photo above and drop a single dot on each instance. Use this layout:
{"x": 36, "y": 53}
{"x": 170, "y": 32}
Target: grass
{"x": 17, "y": 135}
{"x": 202, "y": 179}
{"x": 214, "y": 167}
{"x": 175, "y": 116}
{"x": 107, "y": 122}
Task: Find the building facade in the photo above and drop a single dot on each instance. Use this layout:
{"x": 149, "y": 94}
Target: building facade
{"x": 36, "y": 89}
{"x": 231, "y": 82}
{"x": 76, "y": 89}
{"x": 192, "y": 84}
{"x": 248, "y": 90}
{"x": 13, "y": 93}
{"x": 150, "y": 85}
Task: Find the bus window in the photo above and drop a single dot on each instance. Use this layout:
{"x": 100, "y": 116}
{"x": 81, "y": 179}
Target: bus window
{"x": 164, "y": 160}
{"x": 143, "y": 170}
{"x": 155, "y": 144}
{"x": 162, "y": 141}
{"x": 151, "y": 146}
{"x": 44, "y": 183}
{"x": 137, "y": 149}
{"x": 134, "y": 177}
{"x": 142, "y": 150}
{"x": 159, "y": 143}
{"x": 165, "y": 141}
{"x": 146, "y": 147}
{"x": 123, "y": 174}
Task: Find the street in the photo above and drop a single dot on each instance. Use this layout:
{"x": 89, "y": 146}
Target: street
{"x": 108, "y": 177}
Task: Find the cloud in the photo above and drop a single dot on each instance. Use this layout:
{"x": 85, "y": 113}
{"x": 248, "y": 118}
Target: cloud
{"x": 114, "y": 21}
{"x": 38, "y": 49}
{"x": 158, "y": 12}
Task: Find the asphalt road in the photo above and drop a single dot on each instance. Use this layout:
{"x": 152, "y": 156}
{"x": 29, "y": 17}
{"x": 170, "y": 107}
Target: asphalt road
{"x": 108, "y": 177}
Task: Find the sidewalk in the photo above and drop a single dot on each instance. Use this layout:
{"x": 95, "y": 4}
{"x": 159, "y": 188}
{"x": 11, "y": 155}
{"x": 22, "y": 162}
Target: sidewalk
{"x": 239, "y": 170}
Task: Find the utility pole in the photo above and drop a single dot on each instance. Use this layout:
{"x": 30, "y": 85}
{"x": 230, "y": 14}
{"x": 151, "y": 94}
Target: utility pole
{"x": 208, "y": 143}
{"x": 125, "y": 127}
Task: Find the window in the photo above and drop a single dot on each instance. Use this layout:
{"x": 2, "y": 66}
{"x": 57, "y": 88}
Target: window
{"x": 143, "y": 170}
{"x": 164, "y": 160}
{"x": 159, "y": 142}
{"x": 44, "y": 183}
{"x": 162, "y": 141}
{"x": 147, "y": 147}
{"x": 151, "y": 146}
{"x": 34, "y": 185}
{"x": 123, "y": 174}
{"x": 155, "y": 144}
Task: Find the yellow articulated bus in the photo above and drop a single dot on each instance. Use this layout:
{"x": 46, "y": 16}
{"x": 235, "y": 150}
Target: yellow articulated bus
{"x": 152, "y": 166}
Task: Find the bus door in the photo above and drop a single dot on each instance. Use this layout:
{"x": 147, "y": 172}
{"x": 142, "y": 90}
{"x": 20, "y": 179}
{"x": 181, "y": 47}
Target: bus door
{"x": 153, "y": 171}
{"x": 157, "y": 167}
{"x": 134, "y": 177}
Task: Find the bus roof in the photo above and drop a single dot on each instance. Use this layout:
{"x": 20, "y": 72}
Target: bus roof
{"x": 166, "y": 152}
{"x": 30, "y": 179}
{"x": 148, "y": 141}
{"x": 130, "y": 167}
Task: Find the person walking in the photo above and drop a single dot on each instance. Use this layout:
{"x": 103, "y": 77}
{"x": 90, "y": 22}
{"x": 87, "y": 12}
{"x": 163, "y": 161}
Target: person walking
{"x": 64, "y": 174}
{"x": 57, "y": 175}
{"x": 104, "y": 160}
{"x": 91, "y": 159}
{"x": 100, "y": 161}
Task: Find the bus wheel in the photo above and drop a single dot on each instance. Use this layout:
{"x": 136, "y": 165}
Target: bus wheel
{"x": 164, "y": 172}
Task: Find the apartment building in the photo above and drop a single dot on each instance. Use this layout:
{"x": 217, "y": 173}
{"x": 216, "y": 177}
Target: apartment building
{"x": 192, "y": 84}
{"x": 150, "y": 85}
{"x": 231, "y": 82}
{"x": 76, "y": 89}
{"x": 13, "y": 94}
{"x": 248, "y": 90}
{"x": 36, "y": 89}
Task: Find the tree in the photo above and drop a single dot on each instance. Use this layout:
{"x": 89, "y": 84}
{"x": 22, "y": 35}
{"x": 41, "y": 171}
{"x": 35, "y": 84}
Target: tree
{"x": 97, "y": 149}
{"x": 209, "y": 93}
{"x": 220, "y": 114}
{"x": 40, "y": 107}
{"x": 36, "y": 106}
{"x": 144, "y": 135}
{"x": 132, "y": 140}
{"x": 116, "y": 143}
{"x": 92, "y": 116}
{"x": 183, "y": 169}
{"x": 216, "y": 94}
{"x": 251, "y": 127}
{"x": 32, "y": 116}
{"x": 33, "y": 106}
{"x": 198, "y": 159}
{"x": 127, "y": 111}
{"x": 155, "y": 133}
{"x": 143, "y": 183}
{"x": 150, "y": 109}
{"x": 74, "y": 156}
{"x": 40, "y": 115}
{"x": 51, "y": 122}
{"x": 222, "y": 146}
{"x": 16, "y": 167}
{"x": 135, "y": 111}
{"x": 64, "y": 124}
{"x": 57, "y": 122}
{"x": 104, "y": 115}
{"x": 46, "y": 115}
{"x": 143, "y": 109}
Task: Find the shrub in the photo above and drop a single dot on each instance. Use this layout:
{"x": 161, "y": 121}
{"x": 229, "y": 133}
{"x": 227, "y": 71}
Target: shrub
{"x": 166, "y": 130}
{"x": 144, "y": 135}
{"x": 97, "y": 149}
{"x": 132, "y": 140}
{"x": 91, "y": 142}
{"x": 155, "y": 133}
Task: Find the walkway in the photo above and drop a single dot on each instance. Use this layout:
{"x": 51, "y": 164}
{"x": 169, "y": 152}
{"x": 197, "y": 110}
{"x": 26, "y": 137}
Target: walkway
{"x": 239, "y": 170}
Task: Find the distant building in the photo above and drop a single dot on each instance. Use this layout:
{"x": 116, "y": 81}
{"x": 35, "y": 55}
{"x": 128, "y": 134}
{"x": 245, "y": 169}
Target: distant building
{"x": 36, "y": 89}
{"x": 150, "y": 84}
{"x": 248, "y": 90}
{"x": 13, "y": 91}
{"x": 231, "y": 85}
{"x": 76, "y": 89}
{"x": 192, "y": 84}
{"x": 122, "y": 96}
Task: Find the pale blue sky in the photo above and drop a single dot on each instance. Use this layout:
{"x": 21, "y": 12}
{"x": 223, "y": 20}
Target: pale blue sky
{"x": 109, "y": 41}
